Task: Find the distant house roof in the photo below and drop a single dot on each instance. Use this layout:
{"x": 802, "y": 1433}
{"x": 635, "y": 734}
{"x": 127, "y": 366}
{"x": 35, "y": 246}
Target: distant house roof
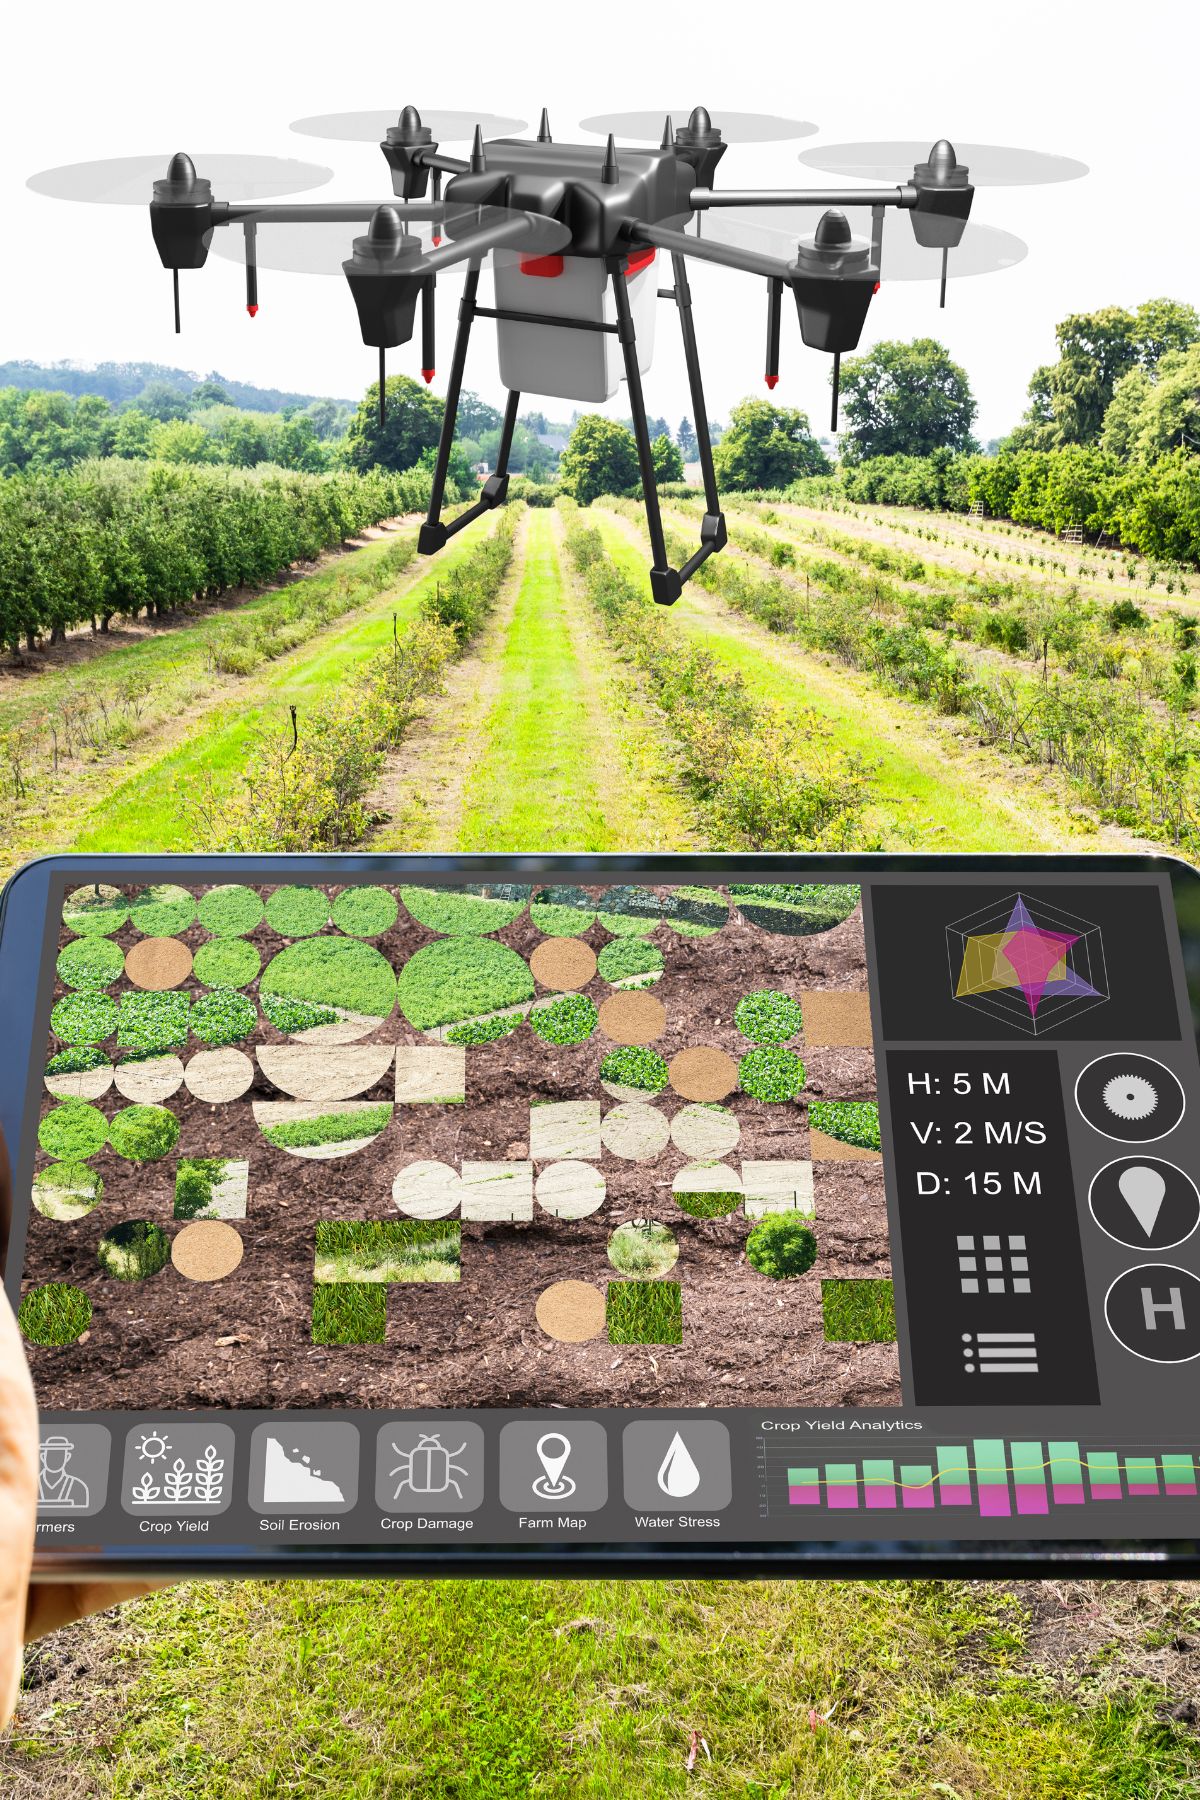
{"x": 553, "y": 440}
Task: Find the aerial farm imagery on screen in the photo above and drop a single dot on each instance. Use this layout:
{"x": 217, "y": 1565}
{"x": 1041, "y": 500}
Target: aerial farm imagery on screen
{"x": 492, "y": 1145}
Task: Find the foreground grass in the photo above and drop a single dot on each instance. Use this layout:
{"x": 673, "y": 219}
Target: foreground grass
{"x": 496, "y": 1689}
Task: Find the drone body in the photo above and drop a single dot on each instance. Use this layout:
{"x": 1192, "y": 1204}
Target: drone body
{"x": 578, "y": 239}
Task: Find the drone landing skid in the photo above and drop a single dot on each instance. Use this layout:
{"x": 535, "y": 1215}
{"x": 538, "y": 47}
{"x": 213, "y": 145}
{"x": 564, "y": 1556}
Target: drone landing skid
{"x": 666, "y": 583}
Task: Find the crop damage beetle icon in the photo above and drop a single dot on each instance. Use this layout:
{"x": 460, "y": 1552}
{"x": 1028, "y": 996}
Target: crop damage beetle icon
{"x": 429, "y": 1467}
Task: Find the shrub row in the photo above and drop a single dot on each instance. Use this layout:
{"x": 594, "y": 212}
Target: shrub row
{"x": 1151, "y": 507}
{"x": 312, "y": 794}
{"x": 113, "y": 537}
{"x": 764, "y": 778}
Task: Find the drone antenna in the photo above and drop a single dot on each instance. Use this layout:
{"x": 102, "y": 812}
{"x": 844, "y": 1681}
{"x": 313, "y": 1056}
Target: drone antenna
{"x": 543, "y": 136}
{"x": 175, "y": 287}
{"x": 478, "y": 159}
{"x": 945, "y": 261}
{"x": 837, "y": 378}
{"x": 610, "y": 174}
{"x": 774, "y": 307}
{"x": 251, "y": 231}
{"x": 668, "y": 136}
{"x": 428, "y": 356}
{"x": 382, "y": 387}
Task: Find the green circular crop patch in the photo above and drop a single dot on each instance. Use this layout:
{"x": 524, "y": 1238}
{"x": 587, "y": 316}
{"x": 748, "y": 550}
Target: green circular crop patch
{"x": 133, "y": 1250}
{"x": 226, "y": 962}
{"x": 466, "y": 911}
{"x": 73, "y": 1132}
{"x": 629, "y": 911}
{"x": 771, "y": 1074}
{"x": 296, "y": 912}
{"x": 54, "y": 1314}
{"x": 635, "y": 1068}
{"x": 570, "y": 1019}
{"x": 143, "y": 1133}
{"x": 336, "y": 972}
{"x": 230, "y": 911}
{"x": 562, "y": 911}
{"x": 460, "y": 978}
{"x": 67, "y": 1190}
{"x": 781, "y": 1246}
{"x": 89, "y": 962}
{"x": 153, "y": 1022}
{"x": 77, "y": 1060}
{"x": 95, "y": 911}
{"x": 84, "y": 1018}
{"x": 768, "y": 1017}
{"x": 162, "y": 911}
{"x": 365, "y": 912}
{"x": 628, "y": 957}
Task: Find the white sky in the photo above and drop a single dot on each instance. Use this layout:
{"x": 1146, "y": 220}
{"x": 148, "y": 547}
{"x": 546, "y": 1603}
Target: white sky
{"x": 1106, "y": 84}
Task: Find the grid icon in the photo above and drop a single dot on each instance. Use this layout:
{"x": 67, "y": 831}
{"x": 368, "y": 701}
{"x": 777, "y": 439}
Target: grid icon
{"x": 991, "y": 1264}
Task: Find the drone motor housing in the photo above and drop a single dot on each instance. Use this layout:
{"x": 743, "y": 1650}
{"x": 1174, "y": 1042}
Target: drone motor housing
{"x": 944, "y": 197}
{"x": 385, "y": 280}
{"x": 181, "y": 215}
{"x": 410, "y": 176}
{"x": 833, "y": 278}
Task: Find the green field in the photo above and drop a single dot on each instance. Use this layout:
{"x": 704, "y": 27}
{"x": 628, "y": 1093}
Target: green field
{"x": 550, "y": 734}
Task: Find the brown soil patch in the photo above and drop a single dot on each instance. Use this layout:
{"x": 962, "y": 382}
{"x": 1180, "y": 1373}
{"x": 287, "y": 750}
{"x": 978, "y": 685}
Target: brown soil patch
{"x": 158, "y": 963}
{"x": 703, "y": 1073}
{"x": 564, "y": 964}
{"x": 827, "y": 1149}
{"x": 571, "y": 1311}
{"x": 633, "y": 1018}
{"x": 207, "y": 1250}
{"x": 836, "y": 1019}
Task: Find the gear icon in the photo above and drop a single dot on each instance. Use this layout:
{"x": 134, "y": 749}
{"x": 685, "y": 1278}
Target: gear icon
{"x": 1130, "y": 1097}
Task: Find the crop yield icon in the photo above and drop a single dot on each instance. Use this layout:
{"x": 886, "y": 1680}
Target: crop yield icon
{"x": 428, "y": 1468}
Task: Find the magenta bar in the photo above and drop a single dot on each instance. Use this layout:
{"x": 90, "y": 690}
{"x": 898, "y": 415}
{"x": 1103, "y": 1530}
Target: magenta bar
{"x": 1181, "y": 1487}
{"x": 955, "y": 1496}
{"x": 841, "y": 1484}
{"x": 993, "y": 1502}
{"x": 916, "y": 1484}
{"x": 1068, "y": 1493}
{"x": 843, "y": 1496}
{"x": 1032, "y": 1500}
{"x": 1143, "y": 1487}
{"x": 1105, "y": 1490}
{"x": 879, "y": 1485}
{"x": 804, "y": 1496}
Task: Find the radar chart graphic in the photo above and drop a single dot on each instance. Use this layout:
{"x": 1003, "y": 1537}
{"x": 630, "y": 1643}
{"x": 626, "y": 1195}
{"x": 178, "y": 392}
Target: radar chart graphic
{"x": 1028, "y": 963}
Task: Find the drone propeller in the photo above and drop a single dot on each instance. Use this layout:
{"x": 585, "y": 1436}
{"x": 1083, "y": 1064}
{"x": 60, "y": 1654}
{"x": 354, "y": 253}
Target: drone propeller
{"x": 774, "y": 231}
{"x": 128, "y": 180}
{"x": 735, "y": 127}
{"x": 989, "y": 165}
{"x": 370, "y": 127}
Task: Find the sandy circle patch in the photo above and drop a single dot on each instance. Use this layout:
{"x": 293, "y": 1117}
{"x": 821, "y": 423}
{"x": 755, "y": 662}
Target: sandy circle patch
{"x": 148, "y": 1079}
{"x": 703, "y": 1073}
{"x": 702, "y": 1132}
{"x": 633, "y": 1018}
{"x": 634, "y": 1131}
{"x": 571, "y": 1311}
{"x": 564, "y": 964}
{"x": 218, "y": 1075}
{"x": 207, "y": 1250}
{"x": 158, "y": 963}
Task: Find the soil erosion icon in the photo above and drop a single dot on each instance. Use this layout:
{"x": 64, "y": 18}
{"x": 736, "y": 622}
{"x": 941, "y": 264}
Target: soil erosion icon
{"x": 1028, "y": 963}
{"x": 428, "y": 1468}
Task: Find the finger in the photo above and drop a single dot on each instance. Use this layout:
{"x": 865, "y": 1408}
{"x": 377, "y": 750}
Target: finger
{"x": 18, "y": 1501}
{"x": 53, "y": 1604}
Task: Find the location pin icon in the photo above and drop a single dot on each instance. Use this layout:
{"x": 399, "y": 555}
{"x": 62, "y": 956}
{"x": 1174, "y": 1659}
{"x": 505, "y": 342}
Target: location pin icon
{"x": 1143, "y": 1190}
{"x": 553, "y": 1450}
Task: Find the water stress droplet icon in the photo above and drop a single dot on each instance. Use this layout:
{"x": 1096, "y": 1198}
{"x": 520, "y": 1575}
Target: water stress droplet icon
{"x": 678, "y": 1475}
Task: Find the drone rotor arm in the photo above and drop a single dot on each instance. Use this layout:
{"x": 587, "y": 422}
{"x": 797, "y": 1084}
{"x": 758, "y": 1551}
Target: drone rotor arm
{"x": 702, "y": 199}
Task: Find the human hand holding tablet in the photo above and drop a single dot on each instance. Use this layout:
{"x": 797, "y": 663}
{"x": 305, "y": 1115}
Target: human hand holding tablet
{"x": 551, "y": 1214}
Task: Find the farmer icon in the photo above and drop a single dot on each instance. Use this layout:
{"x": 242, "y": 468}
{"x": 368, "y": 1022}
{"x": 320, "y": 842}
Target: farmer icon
{"x": 58, "y": 1489}
{"x": 430, "y": 1467}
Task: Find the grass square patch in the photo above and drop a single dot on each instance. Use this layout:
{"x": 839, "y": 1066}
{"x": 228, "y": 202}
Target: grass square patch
{"x": 383, "y": 1251}
{"x": 859, "y": 1311}
{"x": 644, "y": 1312}
{"x": 351, "y": 1312}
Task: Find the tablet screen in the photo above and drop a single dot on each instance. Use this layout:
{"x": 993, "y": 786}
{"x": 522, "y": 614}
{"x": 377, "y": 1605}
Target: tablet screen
{"x": 396, "y": 1210}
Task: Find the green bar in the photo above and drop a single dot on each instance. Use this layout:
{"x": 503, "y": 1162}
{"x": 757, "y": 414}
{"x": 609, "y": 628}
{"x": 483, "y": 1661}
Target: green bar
{"x": 1141, "y": 1471}
{"x": 841, "y": 1474}
{"x": 1028, "y": 1467}
{"x": 1065, "y": 1465}
{"x": 1103, "y": 1468}
{"x": 952, "y": 1466}
{"x": 1178, "y": 1470}
{"x": 879, "y": 1474}
{"x": 990, "y": 1462}
{"x": 802, "y": 1478}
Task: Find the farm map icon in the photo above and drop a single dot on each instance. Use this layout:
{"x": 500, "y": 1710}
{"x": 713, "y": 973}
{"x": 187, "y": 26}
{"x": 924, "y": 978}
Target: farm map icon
{"x": 1027, "y": 963}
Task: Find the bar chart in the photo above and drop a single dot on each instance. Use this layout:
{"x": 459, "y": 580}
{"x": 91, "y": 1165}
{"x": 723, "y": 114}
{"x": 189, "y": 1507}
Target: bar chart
{"x": 995, "y": 1478}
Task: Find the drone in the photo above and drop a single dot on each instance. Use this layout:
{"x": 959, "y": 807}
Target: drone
{"x": 573, "y": 234}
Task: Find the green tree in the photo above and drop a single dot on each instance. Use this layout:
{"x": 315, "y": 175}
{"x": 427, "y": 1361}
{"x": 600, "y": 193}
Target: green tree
{"x": 183, "y": 441}
{"x": 600, "y": 458}
{"x": 686, "y": 438}
{"x": 414, "y": 424}
{"x": 1154, "y": 413}
{"x": 767, "y": 446}
{"x": 1069, "y": 399}
{"x": 475, "y": 416}
{"x": 162, "y": 401}
{"x": 208, "y": 393}
{"x": 905, "y": 399}
{"x": 668, "y": 463}
{"x": 133, "y": 434}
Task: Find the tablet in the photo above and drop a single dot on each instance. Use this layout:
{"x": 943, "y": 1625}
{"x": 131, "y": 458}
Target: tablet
{"x": 631, "y": 1214}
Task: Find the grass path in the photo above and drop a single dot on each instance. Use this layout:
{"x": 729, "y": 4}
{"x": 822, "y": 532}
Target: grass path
{"x": 143, "y": 813}
{"x": 534, "y": 756}
{"x": 931, "y": 786}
